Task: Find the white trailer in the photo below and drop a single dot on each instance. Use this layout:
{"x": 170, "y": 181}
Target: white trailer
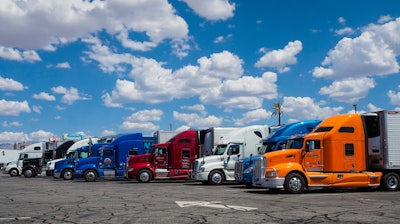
{"x": 164, "y": 136}
{"x": 220, "y": 166}
{"x": 211, "y": 137}
{"x": 8, "y": 155}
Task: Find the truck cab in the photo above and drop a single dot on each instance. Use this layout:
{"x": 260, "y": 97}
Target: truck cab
{"x": 275, "y": 141}
{"x": 342, "y": 152}
{"x": 65, "y": 168}
{"x": 112, "y": 158}
{"x": 220, "y": 167}
{"x": 169, "y": 160}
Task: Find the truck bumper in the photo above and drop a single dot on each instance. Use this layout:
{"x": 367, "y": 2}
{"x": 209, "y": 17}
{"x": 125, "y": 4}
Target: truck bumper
{"x": 56, "y": 174}
{"x": 269, "y": 182}
{"x": 200, "y": 176}
{"x": 49, "y": 172}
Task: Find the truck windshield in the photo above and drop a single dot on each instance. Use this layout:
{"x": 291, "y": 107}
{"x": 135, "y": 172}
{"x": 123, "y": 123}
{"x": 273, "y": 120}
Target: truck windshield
{"x": 70, "y": 155}
{"x": 296, "y": 143}
{"x": 267, "y": 147}
{"x": 220, "y": 149}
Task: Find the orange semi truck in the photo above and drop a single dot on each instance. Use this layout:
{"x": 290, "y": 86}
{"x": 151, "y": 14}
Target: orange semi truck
{"x": 344, "y": 151}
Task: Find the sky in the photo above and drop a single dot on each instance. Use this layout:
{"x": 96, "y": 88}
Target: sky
{"x": 99, "y": 68}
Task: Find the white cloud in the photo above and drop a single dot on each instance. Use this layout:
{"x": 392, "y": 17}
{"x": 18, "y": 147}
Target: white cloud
{"x": 345, "y": 31}
{"x": 108, "y": 133}
{"x": 279, "y": 59}
{"x": 64, "y": 22}
{"x": 194, "y": 120}
{"x": 37, "y": 109}
{"x": 142, "y": 121}
{"x": 247, "y": 92}
{"x": 41, "y": 135}
{"x": 63, "y": 65}
{"x": 7, "y": 124}
{"x": 212, "y": 9}
{"x": 8, "y": 84}
{"x": 304, "y": 108}
{"x": 13, "y": 108}
{"x": 12, "y": 137}
{"x": 16, "y": 55}
{"x": 44, "y": 96}
{"x": 374, "y": 52}
{"x": 348, "y": 90}
{"x": 218, "y": 80}
{"x": 253, "y": 116}
{"x": 70, "y": 95}
{"x": 394, "y": 97}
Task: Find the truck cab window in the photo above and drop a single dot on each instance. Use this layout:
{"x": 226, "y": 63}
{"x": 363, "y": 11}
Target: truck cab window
{"x": 83, "y": 155}
{"x": 220, "y": 150}
{"x": 133, "y": 152}
{"x": 323, "y": 129}
{"x": 233, "y": 150}
{"x": 186, "y": 153}
{"x": 346, "y": 129}
{"x": 349, "y": 149}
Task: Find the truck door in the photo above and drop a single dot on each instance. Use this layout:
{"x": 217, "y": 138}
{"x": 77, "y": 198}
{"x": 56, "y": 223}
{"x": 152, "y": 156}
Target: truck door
{"x": 233, "y": 152}
{"x": 160, "y": 158}
{"x": 313, "y": 158}
{"x": 107, "y": 159}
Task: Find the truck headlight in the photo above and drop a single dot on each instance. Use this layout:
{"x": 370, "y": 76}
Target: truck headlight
{"x": 271, "y": 173}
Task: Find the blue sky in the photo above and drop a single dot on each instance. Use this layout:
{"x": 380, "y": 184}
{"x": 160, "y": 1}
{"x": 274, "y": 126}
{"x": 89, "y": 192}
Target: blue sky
{"x": 109, "y": 67}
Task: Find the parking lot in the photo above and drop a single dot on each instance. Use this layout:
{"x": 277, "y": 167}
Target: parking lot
{"x": 47, "y": 200}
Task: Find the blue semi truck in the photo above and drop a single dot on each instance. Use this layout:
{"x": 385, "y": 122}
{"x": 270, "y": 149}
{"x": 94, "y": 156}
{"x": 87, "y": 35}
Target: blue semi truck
{"x": 104, "y": 160}
{"x": 112, "y": 159}
{"x": 274, "y": 142}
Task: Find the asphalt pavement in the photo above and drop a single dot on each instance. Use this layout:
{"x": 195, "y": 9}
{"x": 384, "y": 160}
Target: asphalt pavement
{"x": 47, "y": 200}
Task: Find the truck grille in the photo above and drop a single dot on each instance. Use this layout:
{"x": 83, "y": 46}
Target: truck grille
{"x": 259, "y": 167}
{"x": 195, "y": 166}
{"x": 239, "y": 170}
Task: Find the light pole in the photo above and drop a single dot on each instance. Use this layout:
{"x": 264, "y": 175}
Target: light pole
{"x": 355, "y": 108}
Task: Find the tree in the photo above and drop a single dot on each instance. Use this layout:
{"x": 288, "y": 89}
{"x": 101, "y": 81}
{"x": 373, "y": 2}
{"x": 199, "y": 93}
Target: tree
{"x": 277, "y": 111}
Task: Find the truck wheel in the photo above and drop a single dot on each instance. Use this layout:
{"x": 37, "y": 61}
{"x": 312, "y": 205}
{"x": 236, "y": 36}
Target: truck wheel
{"x": 90, "y": 176}
{"x": 14, "y": 172}
{"x": 144, "y": 176}
{"x": 391, "y": 182}
{"x": 29, "y": 173}
{"x": 216, "y": 177}
{"x": 68, "y": 174}
{"x": 294, "y": 183}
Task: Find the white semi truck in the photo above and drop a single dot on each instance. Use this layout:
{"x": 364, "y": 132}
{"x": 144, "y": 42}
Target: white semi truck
{"x": 220, "y": 167}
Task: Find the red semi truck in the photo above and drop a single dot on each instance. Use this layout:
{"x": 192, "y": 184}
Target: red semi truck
{"x": 173, "y": 159}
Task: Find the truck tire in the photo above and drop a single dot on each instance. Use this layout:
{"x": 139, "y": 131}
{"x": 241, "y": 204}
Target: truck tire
{"x": 144, "y": 176}
{"x": 68, "y": 174}
{"x": 14, "y": 172}
{"x": 29, "y": 172}
{"x": 294, "y": 183}
{"x": 390, "y": 182}
{"x": 90, "y": 176}
{"x": 216, "y": 177}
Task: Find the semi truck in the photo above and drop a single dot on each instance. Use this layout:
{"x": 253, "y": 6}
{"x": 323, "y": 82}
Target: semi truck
{"x": 110, "y": 159}
{"x": 275, "y": 141}
{"x": 50, "y": 165}
{"x": 344, "y": 151}
{"x": 35, "y": 150}
{"x": 172, "y": 159}
{"x": 220, "y": 166}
